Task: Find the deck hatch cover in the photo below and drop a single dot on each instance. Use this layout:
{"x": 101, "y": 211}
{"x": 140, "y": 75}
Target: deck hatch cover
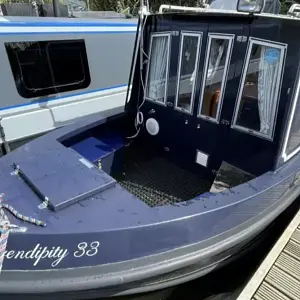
{"x": 61, "y": 179}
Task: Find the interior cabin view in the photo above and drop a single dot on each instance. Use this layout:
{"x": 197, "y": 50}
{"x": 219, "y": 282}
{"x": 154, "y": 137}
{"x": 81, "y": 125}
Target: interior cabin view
{"x": 202, "y": 114}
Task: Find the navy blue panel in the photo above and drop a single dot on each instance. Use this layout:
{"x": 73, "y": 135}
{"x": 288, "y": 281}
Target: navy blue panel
{"x": 104, "y": 151}
{"x": 59, "y": 177}
{"x": 114, "y": 141}
{"x": 92, "y": 149}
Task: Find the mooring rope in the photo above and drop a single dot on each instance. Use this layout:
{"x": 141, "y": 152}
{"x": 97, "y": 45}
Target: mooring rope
{"x": 6, "y": 226}
{"x": 4, "y": 233}
{"x": 20, "y": 216}
{"x": 3, "y": 241}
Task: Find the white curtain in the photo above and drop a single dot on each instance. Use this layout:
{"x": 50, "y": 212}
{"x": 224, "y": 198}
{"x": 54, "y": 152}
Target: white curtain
{"x": 267, "y": 81}
{"x": 21, "y": 45}
{"x": 158, "y": 66}
{"x": 216, "y": 52}
{"x": 190, "y": 56}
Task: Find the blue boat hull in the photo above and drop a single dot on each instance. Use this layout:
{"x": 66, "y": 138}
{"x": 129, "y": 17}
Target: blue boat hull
{"x": 124, "y": 247}
{"x": 96, "y": 284}
{"x": 103, "y": 239}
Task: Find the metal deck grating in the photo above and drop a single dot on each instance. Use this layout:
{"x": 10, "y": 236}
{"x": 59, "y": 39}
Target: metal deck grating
{"x": 158, "y": 181}
{"x": 278, "y": 277}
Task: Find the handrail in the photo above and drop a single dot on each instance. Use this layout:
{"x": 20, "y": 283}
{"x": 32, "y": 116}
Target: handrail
{"x": 183, "y": 8}
{"x": 293, "y": 8}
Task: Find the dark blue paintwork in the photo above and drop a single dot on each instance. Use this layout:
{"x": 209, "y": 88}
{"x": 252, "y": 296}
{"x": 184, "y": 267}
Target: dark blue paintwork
{"x": 92, "y": 149}
{"x": 125, "y": 227}
{"x": 65, "y": 175}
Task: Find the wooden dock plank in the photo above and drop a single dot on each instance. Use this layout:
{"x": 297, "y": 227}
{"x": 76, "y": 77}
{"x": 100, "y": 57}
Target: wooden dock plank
{"x": 278, "y": 277}
{"x": 266, "y": 291}
{"x": 283, "y": 282}
{"x": 289, "y": 265}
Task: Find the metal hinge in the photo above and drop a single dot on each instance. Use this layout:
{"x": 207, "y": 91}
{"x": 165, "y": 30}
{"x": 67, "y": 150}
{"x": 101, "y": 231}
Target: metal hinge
{"x": 241, "y": 38}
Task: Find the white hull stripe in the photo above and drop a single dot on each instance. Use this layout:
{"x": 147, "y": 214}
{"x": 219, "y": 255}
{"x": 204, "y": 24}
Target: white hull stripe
{"x": 53, "y": 116}
{"x": 52, "y": 102}
{"x": 65, "y": 29}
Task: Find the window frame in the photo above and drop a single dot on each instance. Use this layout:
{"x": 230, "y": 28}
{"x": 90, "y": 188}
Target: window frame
{"x": 53, "y": 88}
{"x": 168, "y": 34}
{"x": 294, "y": 103}
{"x": 230, "y": 38}
{"x": 282, "y": 47}
{"x": 199, "y": 35}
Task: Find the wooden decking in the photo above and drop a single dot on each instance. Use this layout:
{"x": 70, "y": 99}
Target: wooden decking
{"x": 278, "y": 277}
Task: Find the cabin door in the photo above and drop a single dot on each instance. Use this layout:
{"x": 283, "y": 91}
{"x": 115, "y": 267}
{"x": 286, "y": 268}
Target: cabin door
{"x": 226, "y": 46}
{"x": 177, "y": 117}
{"x": 253, "y": 121}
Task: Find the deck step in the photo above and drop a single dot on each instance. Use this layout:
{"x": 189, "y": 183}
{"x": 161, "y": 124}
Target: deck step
{"x": 229, "y": 176}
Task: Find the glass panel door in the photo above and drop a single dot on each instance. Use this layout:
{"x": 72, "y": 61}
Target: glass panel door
{"x": 218, "y": 88}
{"x": 188, "y": 63}
{"x": 158, "y": 68}
{"x": 259, "y": 93}
{"x": 215, "y": 76}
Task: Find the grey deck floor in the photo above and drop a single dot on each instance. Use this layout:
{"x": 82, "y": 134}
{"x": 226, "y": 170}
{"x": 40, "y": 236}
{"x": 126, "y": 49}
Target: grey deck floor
{"x": 278, "y": 277}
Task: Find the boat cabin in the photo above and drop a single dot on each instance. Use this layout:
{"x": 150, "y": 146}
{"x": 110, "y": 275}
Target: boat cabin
{"x": 213, "y": 103}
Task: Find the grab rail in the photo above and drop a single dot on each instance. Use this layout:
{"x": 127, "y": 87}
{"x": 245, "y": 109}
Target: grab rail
{"x": 295, "y": 8}
{"x": 183, "y": 8}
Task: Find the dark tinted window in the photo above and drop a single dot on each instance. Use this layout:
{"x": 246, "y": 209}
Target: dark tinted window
{"x": 48, "y": 67}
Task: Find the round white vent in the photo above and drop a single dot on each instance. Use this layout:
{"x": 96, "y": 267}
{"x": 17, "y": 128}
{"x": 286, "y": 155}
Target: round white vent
{"x": 152, "y": 126}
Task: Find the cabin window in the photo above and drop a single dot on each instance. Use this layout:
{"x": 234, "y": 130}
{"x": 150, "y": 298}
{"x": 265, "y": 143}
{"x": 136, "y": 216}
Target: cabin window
{"x": 188, "y": 63}
{"x": 158, "y": 67}
{"x": 259, "y": 90}
{"x": 48, "y": 67}
{"x": 215, "y": 75}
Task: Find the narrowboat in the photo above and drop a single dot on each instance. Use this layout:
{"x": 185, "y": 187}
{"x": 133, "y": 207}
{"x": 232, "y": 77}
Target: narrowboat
{"x": 58, "y": 69}
{"x": 203, "y": 159}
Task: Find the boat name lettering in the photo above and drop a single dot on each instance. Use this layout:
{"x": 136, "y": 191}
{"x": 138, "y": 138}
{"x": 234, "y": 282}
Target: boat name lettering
{"x": 57, "y": 254}
{"x": 85, "y": 249}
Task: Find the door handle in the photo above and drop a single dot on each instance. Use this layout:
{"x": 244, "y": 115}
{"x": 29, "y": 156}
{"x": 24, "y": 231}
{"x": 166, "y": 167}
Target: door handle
{"x": 225, "y": 122}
